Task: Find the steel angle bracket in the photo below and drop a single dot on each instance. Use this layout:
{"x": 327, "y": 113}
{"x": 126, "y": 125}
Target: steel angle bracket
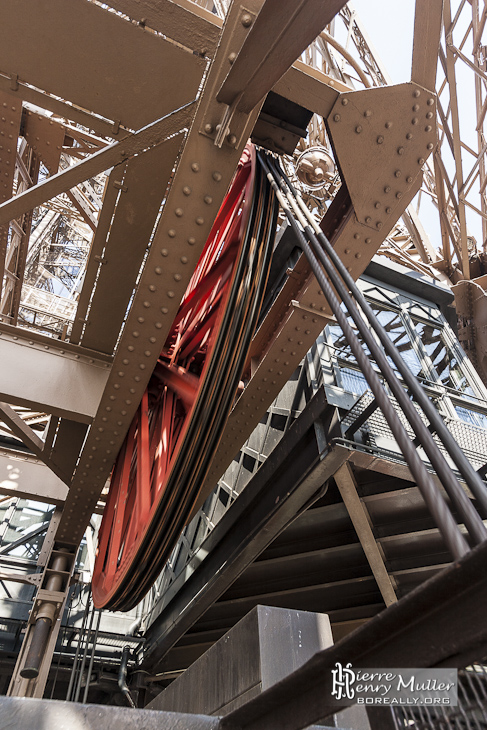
{"x": 381, "y": 139}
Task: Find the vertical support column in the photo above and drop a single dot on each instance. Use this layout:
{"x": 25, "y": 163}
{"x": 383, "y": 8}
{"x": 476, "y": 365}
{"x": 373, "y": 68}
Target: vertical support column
{"x": 32, "y": 668}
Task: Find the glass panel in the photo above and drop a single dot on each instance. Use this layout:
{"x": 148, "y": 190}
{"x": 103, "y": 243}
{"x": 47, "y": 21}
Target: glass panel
{"x": 473, "y": 417}
{"x": 394, "y": 326}
{"x": 341, "y": 344}
{"x": 444, "y": 361}
{"x": 353, "y": 381}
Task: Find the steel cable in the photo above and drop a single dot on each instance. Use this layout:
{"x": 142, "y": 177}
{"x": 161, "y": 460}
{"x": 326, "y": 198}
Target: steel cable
{"x": 472, "y": 478}
{"x": 439, "y": 510}
{"x": 469, "y": 515}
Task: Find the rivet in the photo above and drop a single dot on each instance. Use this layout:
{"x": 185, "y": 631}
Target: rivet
{"x": 158, "y": 270}
{"x": 388, "y": 210}
{"x": 387, "y": 189}
{"x": 358, "y": 129}
{"x": 414, "y": 120}
{"x": 217, "y": 176}
{"x": 416, "y": 108}
{"x": 356, "y": 236}
{"x": 400, "y": 150}
{"x": 195, "y": 167}
{"x": 170, "y": 294}
{"x": 368, "y": 219}
{"x": 428, "y": 128}
{"x": 409, "y": 135}
{"x": 231, "y": 139}
{"x": 397, "y": 173}
{"x": 429, "y": 115}
{"x": 125, "y": 362}
{"x": 124, "y": 413}
{"x": 179, "y": 212}
{"x": 377, "y": 205}
{"x": 368, "y": 240}
{"x": 399, "y": 195}
{"x": 177, "y": 277}
{"x": 152, "y": 287}
{"x": 349, "y": 269}
{"x": 358, "y": 255}
{"x": 336, "y": 118}
{"x": 141, "y": 320}
{"x": 430, "y": 102}
{"x": 347, "y": 251}
{"x": 429, "y": 146}
{"x": 208, "y": 199}
{"x": 184, "y": 259}
{"x": 131, "y": 348}
{"x": 421, "y": 161}
{"x": 367, "y": 113}
{"x": 231, "y": 58}
{"x": 147, "y": 353}
{"x": 164, "y": 310}
{"x": 137, "y": 380}
{"x": 380, "y": 139}
{"x": 187, "y": 190}
{"x": 151, "y": 339}
{"x": 135, "y": 333}
{"x": 416, "y": 93}
{"x": 208, "y": 130}
{"x": 388, "y": 125}
{"x": 378, "y": 225}
{"x": 147, "y": 305}
{"x": 246, "y": 20}
{"x": 344, "y": 102}
{"x": 191, "y": 240}
{"x": 200, "y": 221}
{"x": 142, "y": 366}
{"x": 409, "y": 180}
{"x": 158, "y": 325}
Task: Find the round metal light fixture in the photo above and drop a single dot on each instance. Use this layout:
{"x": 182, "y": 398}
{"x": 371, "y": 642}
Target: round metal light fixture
{"x": 315, "y": 167}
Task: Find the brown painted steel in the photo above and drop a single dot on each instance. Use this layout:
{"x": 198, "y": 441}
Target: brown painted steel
{"x": 125, "y": 68}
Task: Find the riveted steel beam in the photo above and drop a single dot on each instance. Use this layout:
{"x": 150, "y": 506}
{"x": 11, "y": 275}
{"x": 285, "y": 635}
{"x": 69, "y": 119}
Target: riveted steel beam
{"x": 199, "y": 185}
{"x": 184, "y": 22}
{"x": 22, "y": 475}
{"x": 118, "y": 60}
{"x": 51, "y": 376}
{"x": 113, "y": 154}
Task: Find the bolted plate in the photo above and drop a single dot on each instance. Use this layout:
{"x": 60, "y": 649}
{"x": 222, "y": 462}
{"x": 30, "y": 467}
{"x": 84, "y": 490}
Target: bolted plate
{"x": 382, "y": 137}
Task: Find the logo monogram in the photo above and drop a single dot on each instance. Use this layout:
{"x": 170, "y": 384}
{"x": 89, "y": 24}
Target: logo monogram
{"x": 343, "y": 680}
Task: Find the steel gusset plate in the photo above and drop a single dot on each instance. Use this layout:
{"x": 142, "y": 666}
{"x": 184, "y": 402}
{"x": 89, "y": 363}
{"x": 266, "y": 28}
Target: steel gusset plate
{"x": 159, "y": 472}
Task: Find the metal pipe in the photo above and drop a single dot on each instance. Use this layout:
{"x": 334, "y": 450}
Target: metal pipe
{"x": 83, "y": 661}
{"x": 122, "y": 676}
{"x": 37, "y": 648}
{"x": 437, "y": 506}
{"x": 451, "y": 484}
{"x": 44, "y": 622}
{"x": 75, "y": 660}
{"x": 92, "y": 659}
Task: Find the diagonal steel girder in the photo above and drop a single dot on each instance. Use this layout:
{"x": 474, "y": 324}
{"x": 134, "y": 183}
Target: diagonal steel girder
{"x": 199, "y": 185}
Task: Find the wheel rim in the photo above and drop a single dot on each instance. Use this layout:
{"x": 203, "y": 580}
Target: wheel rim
{"x": 150, "y": 496}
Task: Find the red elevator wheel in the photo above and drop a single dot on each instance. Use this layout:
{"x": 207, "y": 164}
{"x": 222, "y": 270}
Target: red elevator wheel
{"x": 158, "y": 473}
